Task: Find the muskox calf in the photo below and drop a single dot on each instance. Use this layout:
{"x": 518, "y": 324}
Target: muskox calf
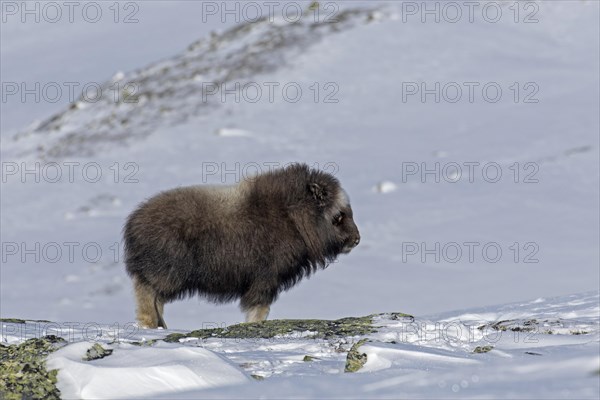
{"x": 250, "y": 241}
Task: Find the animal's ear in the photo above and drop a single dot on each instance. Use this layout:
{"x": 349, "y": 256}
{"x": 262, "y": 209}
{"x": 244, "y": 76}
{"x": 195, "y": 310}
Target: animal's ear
{"x": 318, "y": 192}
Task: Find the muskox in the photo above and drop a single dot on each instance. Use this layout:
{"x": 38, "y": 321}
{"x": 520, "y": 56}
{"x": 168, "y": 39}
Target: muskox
{"x": 249, "y": 241}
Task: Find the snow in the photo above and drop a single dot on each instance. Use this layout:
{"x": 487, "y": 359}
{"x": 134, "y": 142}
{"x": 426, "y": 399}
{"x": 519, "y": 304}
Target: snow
{"x": 132, "y": 371}
{"x": 368, "y": 138}
{"x": 386, "y": 187}
{"x": 555, "y": 354}
{"x": 147, "y": 40}
{"x": 232, "y": 132}
{"x": 372, "y": 140}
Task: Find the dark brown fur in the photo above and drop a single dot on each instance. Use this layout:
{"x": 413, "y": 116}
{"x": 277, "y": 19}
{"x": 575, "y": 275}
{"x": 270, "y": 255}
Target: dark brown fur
{"x": 248, "y": 242}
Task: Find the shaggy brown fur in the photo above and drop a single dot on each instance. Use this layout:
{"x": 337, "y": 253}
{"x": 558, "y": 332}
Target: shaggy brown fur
{"x": 250, "y": 241}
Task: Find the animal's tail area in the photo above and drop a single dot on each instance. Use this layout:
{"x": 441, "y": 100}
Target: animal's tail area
{"x": 158, "y": 308}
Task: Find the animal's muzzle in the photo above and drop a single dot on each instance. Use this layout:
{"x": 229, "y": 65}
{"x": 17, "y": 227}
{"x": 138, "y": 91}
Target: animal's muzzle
{"x": 350, "y": 244}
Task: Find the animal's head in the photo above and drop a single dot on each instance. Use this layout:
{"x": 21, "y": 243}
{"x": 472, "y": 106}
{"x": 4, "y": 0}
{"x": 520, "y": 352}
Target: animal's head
{"x": 325, "y": 218}
{"x": 336, "y": 216}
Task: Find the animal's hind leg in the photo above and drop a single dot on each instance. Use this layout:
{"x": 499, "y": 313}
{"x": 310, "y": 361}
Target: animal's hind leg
{"x": 160, "y": 309}
{"x": 147, "y": 310}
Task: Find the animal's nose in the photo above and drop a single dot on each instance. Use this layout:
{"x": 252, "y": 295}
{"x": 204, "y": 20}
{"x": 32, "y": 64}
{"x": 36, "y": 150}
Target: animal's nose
{"x": 357, "y": 241}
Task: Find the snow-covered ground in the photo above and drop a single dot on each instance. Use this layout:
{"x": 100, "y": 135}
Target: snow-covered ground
{"x": 427, "y": 247}
{"x": 544, "y": 348}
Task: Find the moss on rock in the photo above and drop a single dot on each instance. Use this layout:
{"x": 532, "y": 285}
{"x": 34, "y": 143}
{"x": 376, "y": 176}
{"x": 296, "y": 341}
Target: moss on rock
{"x": 23, "y": 372}
{"x": 355, "y": 359}
{"x": 96, "y": 352}
{"x": 22, "y": 321}
{"x": 397, "y": 316}
{"x": 319, "y": 329}
{"x": 13, "y": 320}
{"x": 523, "y": 325}
{"x": 482, "y": 349}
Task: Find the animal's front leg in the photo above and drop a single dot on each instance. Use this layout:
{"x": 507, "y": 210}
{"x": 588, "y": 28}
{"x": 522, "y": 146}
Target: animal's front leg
{"x": 256, "y": 302}
{"x": 257, "y": 313}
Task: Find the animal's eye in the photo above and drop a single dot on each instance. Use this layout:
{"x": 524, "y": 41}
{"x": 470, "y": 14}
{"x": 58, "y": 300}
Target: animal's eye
{"x": 338, "y": 218}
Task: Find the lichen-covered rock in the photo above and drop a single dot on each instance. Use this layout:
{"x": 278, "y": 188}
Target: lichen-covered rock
{"x": 13, "y": 320}
{"x": 96, "y": 352}
{"x": 23, "y": 372}
{"x": 523, "y": 325}
{"x": 397, "y": 316}
{"x": 355, "y": 359}
{"x": 318, "y": 329}
{"x": 482, "y": 349}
